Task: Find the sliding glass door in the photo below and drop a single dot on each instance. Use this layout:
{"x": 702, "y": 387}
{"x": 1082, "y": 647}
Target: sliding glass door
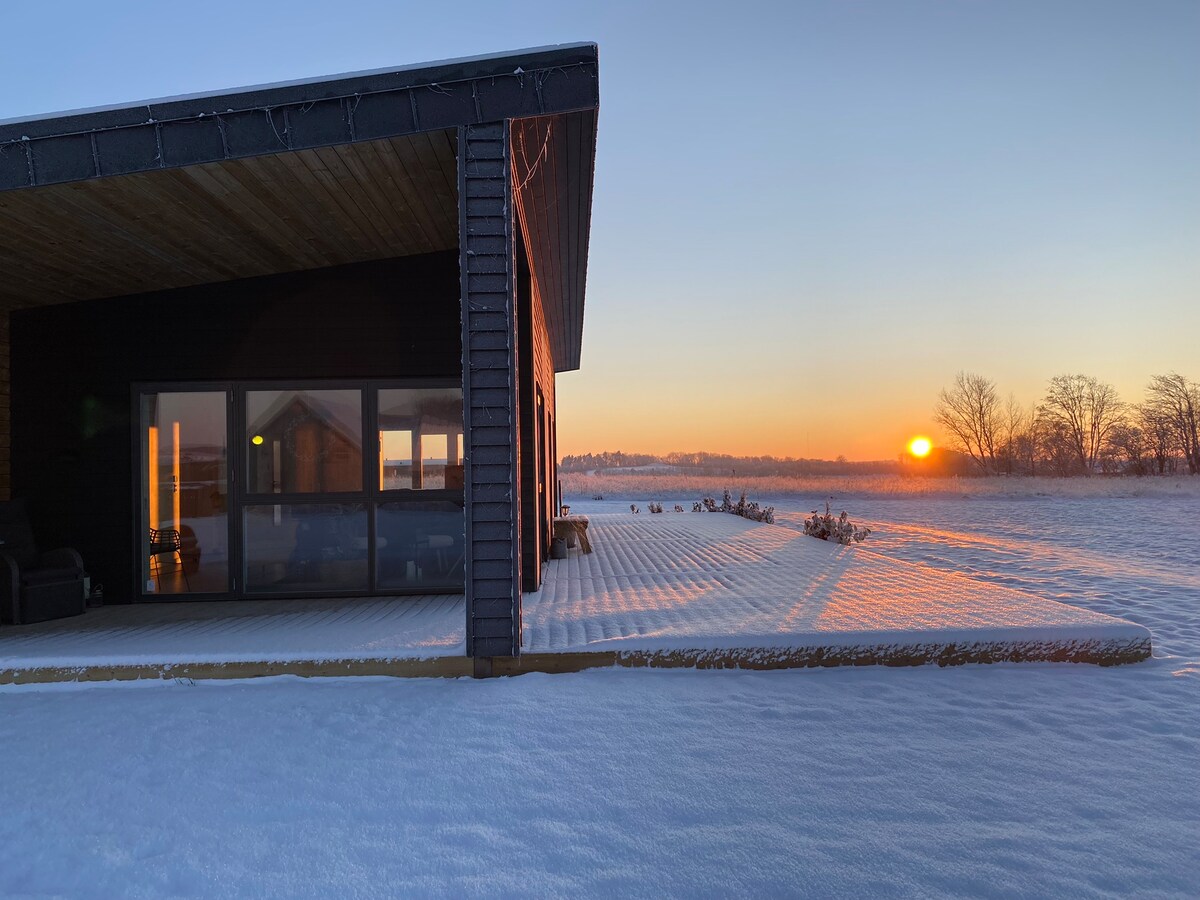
{"x": 305, "y": 515}
{"x": 329, "y": 489}
{"x": 419, "y": 516}
{"x": 184, "y": 492}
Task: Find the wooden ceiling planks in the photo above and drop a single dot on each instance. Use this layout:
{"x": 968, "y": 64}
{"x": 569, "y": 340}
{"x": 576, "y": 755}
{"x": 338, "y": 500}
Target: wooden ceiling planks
{"x": 218, "y": 221}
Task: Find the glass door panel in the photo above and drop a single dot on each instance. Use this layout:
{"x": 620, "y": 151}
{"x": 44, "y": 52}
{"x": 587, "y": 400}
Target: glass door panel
{"x": 306, "y": 547}
{"x": 420, "y": 439}
{"x": 304, "y": 442}
{"x": 419, "y": 544}
{"x": 184, "y": 492}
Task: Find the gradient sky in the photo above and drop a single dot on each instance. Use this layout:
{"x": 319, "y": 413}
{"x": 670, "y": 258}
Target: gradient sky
{"x": 808, "y": 215}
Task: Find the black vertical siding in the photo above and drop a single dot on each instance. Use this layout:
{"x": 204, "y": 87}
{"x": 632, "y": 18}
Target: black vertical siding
{"x": 493, "y": 563}
{"x": 527, "y": 425}
{"x": 5, "y": 408}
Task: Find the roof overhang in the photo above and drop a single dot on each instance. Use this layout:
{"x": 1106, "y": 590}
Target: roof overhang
{"x": 298, "y": 175}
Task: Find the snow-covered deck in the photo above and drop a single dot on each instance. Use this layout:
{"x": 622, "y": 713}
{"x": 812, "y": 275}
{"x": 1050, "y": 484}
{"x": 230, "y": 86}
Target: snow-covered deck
{"x": 393, "y": 635}
{"x": 687, "y": 589}
{"x": 716, "y": 590}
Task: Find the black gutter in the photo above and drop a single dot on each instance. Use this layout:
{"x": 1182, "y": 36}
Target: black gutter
{"x": 253, "y": 121}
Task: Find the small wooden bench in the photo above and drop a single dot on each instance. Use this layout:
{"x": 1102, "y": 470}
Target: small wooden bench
{"x": 568, "y": 527}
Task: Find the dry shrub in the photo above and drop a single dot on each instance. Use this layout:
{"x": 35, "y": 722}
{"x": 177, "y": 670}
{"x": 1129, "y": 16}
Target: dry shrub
{"x": 744, "y": 508}
{"x": 841, "y": 530}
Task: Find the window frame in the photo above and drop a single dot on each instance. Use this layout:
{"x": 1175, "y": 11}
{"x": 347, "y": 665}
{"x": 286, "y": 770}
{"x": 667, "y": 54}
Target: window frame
{"x": 240, "y": 497}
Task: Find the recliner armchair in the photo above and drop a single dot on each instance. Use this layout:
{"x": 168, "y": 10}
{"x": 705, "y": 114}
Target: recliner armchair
{"x": 35, "y": 587}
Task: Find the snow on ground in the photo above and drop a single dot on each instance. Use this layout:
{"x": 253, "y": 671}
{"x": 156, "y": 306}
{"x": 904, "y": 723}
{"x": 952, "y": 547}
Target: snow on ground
{"x": 644, "y": 483}
{"x": 1003, "y": 780}
{"x": 1033, "y": 780}
{"x": 685, "y": 581}
{"x": 656, "y": 583}
{"x": 167, "y": 634}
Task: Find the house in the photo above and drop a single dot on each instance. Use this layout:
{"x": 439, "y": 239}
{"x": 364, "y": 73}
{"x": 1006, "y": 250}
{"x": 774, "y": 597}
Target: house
{"x": 314, "y": 327}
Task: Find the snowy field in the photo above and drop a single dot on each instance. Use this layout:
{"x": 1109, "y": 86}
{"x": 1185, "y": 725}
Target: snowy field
{"x": 637, "y": 484}
{"x": 1007, "y": 780}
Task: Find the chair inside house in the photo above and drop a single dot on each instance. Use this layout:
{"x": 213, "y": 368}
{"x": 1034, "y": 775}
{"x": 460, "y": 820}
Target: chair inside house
{"x": 35, "y": 586}
{"x": 166, "y": 542}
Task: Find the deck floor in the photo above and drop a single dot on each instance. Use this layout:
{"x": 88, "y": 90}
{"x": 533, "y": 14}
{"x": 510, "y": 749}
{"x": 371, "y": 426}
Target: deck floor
{"x": 704, "y": 590}
{"x": 696, "y": 581}
{"x": 179, "y": 634}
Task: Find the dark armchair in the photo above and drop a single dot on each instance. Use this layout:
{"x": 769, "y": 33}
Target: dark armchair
{"x": 35, "y": 587}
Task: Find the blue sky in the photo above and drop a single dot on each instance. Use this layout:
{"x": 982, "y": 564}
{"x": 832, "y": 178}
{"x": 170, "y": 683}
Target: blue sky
{"x": 808, "y": 215}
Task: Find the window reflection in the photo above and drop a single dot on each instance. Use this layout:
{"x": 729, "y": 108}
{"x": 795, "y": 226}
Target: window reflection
{"x": 185, "y": 544}
{"x": 420, "y": 439}
{"x": 310, "y": 546}
{"x": 304, "y": 442}
{"x": 420, "y": 544}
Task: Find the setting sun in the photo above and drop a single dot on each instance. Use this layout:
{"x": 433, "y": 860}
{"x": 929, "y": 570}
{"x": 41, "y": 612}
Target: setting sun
{"x": 920, "y": 447}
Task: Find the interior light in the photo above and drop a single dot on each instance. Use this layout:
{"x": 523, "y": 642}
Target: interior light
{"x": 256, "y": 440}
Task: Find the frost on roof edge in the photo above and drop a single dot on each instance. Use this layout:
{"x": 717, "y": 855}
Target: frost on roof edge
{"x": 247, "y": 90}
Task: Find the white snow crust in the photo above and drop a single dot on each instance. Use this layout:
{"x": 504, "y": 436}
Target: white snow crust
{"x": 294, "y": 82}
{"x": 170, "y": 634}
{"x": 655, "y": 584}
{"x": 703, "y": 580}
{"x": 1009, "y": 780}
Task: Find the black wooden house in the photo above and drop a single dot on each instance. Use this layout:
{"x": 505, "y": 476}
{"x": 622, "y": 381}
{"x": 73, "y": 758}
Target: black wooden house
{"x": 310, "y": 328}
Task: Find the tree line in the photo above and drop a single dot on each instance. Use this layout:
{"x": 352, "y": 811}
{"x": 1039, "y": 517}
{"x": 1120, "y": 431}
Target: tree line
{"x": 704, "y": 463}
{"x": 1080, "y": 427}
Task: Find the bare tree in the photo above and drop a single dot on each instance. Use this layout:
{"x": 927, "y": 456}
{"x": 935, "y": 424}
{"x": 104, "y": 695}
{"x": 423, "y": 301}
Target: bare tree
{"x": 1087, "y": 409}
{"x": 970, "y": 412}
{"x": 1159, "y": 431}
{"x": 1056, "y": 446}
{"x": 1128, "y": 442}
{"x": 1014, "y": 422}
{"x": 1177, "y": 400}
{"x": 1028, "y": 442}
{"x": 1025, "y": 449}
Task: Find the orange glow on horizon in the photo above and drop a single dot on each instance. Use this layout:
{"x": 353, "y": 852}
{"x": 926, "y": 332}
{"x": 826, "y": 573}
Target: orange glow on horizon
{"x": 701, "y": 413}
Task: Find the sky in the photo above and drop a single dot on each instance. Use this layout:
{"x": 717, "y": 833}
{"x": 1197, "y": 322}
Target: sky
{"x": 808, "y": 216}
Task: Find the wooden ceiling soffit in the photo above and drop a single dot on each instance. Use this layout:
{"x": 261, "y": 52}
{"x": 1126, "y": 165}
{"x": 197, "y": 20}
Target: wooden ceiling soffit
{"x": 259, "y": 180}
{"x": 231, "y": 219}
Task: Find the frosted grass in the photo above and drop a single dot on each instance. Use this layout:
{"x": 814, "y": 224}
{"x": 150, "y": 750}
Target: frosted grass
{"x": 611, "y": 484}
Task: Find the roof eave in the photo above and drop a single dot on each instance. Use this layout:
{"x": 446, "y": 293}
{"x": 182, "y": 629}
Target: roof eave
{"x": 297, "y": 115}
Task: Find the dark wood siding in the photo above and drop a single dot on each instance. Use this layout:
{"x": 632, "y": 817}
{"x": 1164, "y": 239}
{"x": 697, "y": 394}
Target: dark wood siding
{"x": 533, "y": 528}
{"x": 535, "y": 362}
{"x": 493, "y": 565}
{"x": 73, "y": 366}
{"x": 5, "y": 409}
{"x": 544, "y": 369}
{"x": 553, "y": 158}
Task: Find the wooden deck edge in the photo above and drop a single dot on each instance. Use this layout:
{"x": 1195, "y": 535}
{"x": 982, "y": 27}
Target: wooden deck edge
{"x": 431, "y": 667}
{"x": 1094, "y": 652}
